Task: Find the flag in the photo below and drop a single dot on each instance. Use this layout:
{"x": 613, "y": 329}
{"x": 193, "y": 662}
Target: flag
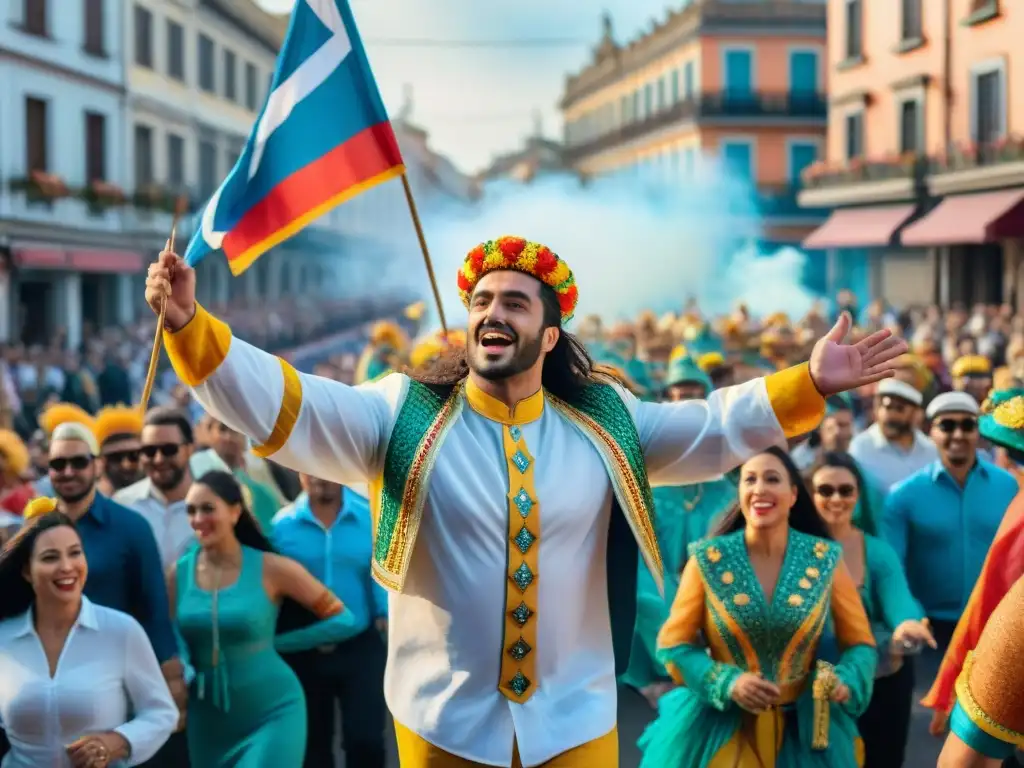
{"x": 322, "y": 138}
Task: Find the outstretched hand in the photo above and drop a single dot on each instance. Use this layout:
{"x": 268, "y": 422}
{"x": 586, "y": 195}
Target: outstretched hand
{"x": 839, "y": 367}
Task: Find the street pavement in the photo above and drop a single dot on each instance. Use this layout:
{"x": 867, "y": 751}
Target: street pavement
{"x": 635, "y": 714}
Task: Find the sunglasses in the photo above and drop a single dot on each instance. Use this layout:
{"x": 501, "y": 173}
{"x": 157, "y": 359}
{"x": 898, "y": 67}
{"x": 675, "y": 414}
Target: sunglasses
{"x": 167, "y": 450}
{"x": 949, "y": 426}
{"x": 120, "y": 457}
{"x": 77, "y": 463}
{"x": 843, "y": 491}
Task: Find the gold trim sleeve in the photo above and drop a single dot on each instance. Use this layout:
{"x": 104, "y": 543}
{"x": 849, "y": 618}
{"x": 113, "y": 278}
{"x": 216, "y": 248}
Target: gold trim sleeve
{"x": 197, "y": 350}
{"x": 797, "y": 403}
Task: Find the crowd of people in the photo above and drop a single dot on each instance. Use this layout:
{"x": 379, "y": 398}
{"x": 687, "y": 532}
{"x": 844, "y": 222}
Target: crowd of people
{"x": 198, "y": 603}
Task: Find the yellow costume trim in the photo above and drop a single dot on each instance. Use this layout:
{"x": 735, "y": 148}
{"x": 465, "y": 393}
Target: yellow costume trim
{"x": 287, "y": 416}
{"x": 797, "y": 403}
{"x": 117, "y": 420}
{"x": 198, "y": 349}
{"x": 491, "y": 408}
{"x": 710, "y": 360}
{"x": 41, "y": 505}
{"x": 14, "y": 452}
{"x": 977, "y": 715}
{"x": 60, "y": 413}
{"x": 677, "y": 354}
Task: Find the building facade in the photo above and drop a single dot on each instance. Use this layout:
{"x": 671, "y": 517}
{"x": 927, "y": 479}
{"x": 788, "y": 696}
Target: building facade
{"x": 742, "y": 82}
{"x": 65, "y": 250}
{"x": 924, "y": 168}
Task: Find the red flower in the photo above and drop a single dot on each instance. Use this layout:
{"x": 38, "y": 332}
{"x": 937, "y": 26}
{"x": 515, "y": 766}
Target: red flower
{"x": 511, "y": 247}
{"x": 464, "y": 284}
{"x": 476, "y": 259}
{"x": 567, "y": 300}
{"x": 546, "y": 261}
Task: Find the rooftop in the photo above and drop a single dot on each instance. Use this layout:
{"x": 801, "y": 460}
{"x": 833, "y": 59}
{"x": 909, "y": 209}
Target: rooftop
{"x": 267, "y": 28}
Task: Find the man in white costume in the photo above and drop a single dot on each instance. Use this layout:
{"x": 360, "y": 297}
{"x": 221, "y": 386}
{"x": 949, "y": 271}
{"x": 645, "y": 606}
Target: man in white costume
{"x": 511, "y": 490}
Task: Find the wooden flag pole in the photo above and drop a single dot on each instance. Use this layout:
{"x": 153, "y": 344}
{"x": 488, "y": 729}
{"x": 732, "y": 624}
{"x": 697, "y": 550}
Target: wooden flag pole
{"x": 426, "y": 254}
{"x": 158, "y": 337}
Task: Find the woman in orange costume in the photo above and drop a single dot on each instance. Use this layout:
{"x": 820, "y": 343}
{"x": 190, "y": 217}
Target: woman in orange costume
{"x": 763, "y": 593}
{"x": 1002, "y": 423}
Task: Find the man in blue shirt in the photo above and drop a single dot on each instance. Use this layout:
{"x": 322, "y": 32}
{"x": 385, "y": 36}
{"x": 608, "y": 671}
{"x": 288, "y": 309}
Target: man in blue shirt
{"x": 328, "y": 529}
{"x": 124, "y": 562}
{"x": 941, "y": 520}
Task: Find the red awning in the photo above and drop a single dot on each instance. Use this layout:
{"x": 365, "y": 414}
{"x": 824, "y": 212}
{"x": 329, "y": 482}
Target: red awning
{"x": 859, "y": 227}
{"x": 977, "y": 218}
{"x": 39, "y": 256}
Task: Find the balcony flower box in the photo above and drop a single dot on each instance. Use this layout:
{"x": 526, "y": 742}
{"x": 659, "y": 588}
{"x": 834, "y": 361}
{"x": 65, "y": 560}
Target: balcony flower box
{"x": 153, "y": 197}
{"x": 40, "y": 186}
{"x": 101, "y": 195}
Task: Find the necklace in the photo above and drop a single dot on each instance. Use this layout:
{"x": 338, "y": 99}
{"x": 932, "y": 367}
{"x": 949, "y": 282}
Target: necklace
{"x": 690, "y": 505}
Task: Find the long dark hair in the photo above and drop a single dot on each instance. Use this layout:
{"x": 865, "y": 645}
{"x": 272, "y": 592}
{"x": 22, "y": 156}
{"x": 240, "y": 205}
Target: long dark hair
{"x": 229, "y": 490}
{"x": 247, "y": 530}
{"x": 803, "y": 516}
{"x": 568, "y": 368}
{"x": 16, "y": 595}
{"x": 864, "y": 517}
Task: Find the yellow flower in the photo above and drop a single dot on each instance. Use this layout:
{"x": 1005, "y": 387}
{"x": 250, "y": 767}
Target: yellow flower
{"x": 494, "y": 260}
{"x": 727, "y": 577}
{"x": 714, "y": 555}
{"x": 795, "y": 600}
{"x": 1010, "y": 414}
{"x": 805, "y": 584}
{"x": 558, "y": 275}
{"x": 813, "y": 573}
{"x": 741, "y": 599}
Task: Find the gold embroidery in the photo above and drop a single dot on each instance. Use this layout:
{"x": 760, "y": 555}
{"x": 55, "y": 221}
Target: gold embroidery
{"x": 825, "y": 681}
{"x": 805, "y": 584}
{"x": 727, "y": 577}
{"x": 795, "y": 600}
{"x": 714, "y": 555}
{"x": 820, "y": 550}
{"x": 813, "y": 573}
{"x": 741, "y": 599}
{"x": 977, "y": 715}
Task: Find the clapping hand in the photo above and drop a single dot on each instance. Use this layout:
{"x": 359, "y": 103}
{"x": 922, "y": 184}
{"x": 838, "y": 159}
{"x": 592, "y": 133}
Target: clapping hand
{"x": 754, "y": 693}
{"x": 839, "y": 367}
{"x": 98, "y": 750}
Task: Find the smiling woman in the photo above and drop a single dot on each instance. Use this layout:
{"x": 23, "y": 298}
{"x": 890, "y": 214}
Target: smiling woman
{"x": 96, "y": 667}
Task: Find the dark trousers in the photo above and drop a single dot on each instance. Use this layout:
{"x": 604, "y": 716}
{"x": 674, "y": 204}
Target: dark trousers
{"x": 351, "y": 676}
{"x": 173, "y": 754}
{"x": 885, "y": 725}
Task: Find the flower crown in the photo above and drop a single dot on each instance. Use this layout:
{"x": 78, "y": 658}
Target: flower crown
{"x": 524, "y": 256}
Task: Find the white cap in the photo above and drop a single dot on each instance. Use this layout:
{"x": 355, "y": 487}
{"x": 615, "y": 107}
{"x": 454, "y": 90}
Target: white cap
{"x": 952, "y": 402}
{"x": 71, "y": 430}
{"x": 902, "y": 390}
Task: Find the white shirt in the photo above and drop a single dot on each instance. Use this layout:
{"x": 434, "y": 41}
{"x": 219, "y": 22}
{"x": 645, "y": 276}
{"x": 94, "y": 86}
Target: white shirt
{"x": 169, "y": 520}
{"x": 107, "y": 668}
{"x": 446, "y": 627}
{"x": 888, "y": 463}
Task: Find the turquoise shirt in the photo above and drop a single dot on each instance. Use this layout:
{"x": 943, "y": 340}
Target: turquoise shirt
{"x": 941, "y": 531}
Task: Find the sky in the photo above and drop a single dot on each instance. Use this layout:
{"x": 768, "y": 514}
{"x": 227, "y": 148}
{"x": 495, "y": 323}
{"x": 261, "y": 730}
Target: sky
{"x": 480, "y": 100}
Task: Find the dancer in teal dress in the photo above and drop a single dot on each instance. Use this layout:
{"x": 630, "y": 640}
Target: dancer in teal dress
{"x": 762, "y": 594}
{"x": 246, "y": 707}
{"x": 682, "y": 514}
{"x": 897, "y": 620}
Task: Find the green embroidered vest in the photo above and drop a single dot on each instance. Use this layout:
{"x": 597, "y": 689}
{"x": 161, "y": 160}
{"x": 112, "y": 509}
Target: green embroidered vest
{"x": 602, "y": 417}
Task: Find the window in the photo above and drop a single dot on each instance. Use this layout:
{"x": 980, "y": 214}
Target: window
{"x": 738, "y": 158}
{"x": 94, "y": 27}
{"x": 911, "y": 20}
{"x": 230, "y": 74}
{"x": 854, "y": 29}
{"x": 143, "y": 156}
{"x": 648, "y": 100}
{"x": 35, "y": 17}
{"x": 637, "y": 114}
{"x": 251, "y": 97}
{"x": 36, "y": 135}
{"x": 802, "y": 153}
{"x": 206, "y": 63}
{"x": 207, "y": 168}
{"x": 624, "y": 104}
{"x": 143, "y": 37}
{"x": 661, "y": 93}
{"x": 688, "y": 80}
{"x": 675, "y": 86}
{"x": 989, "y": 105}
{"x": 95, "y": 147}
{"x": 854, "y": 123}
{"x": 910, "y": 127}
{"x": 175, "y": 50}
{"x": 175, "y": 161}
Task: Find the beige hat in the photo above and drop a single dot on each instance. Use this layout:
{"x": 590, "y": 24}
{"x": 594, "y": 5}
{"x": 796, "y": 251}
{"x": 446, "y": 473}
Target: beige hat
{"x": 902, "y": 390}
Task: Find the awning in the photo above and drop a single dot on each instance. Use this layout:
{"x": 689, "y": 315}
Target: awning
{"x": 977, "y": 218}
{"x": 41, "y": 256}
{"x": 859, "y": 227}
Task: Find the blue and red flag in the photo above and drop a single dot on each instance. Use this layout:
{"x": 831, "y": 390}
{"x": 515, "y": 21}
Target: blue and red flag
{"x": 322, "y": 138}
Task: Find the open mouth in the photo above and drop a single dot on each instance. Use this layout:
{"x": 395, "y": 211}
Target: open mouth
{"x": 762, "y": 507}
{"x": 66, "y": 585}
{"x": 495, "y": 341}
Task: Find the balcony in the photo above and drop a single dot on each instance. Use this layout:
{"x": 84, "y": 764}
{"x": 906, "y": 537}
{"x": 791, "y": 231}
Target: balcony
{"x": 780, "y": 202}
{"x": 712, "y": 107}
{"x": 863, "y": 180}
{"x": 975, "y": 168}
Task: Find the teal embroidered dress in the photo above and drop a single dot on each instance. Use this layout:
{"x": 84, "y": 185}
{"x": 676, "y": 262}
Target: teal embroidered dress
{"x": 682, "y": 514}
{"x": 246, "y": 708}
{"x": 777, "y": 636}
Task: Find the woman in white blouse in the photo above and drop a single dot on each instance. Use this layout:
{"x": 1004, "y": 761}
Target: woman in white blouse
{"x": 71, "y": 671}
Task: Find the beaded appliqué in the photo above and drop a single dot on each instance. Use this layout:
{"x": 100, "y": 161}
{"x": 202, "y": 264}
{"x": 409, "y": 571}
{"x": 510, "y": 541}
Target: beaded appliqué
{"x": 519, "y": 684}
{"x": 521, "y": 614}
{"x": 519, "y": 459}
{"x": 519, "y": 649}
{"x": 523, "y": 577}
{"x": 523, "y": 502}
{"x": 524, "y": 539}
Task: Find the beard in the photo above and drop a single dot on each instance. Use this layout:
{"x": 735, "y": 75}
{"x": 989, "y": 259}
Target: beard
{"x": 172, "y": 481}
{"x": 122, "y": 478}
{"x": 525, "y": 356}
{"x": 897, "y": 429}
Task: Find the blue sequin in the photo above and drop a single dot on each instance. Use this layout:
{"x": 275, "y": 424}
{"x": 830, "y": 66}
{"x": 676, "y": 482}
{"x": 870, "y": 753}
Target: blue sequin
{"x": 519, "y": 649}
{"x": 519, "y": 459}
{"x": 523, "y": 577}
{"x": 524, "y": 539}
{"x": 519, "y": 684}
{"x": 523, "y": 501}
{"x": 521, "y": 614}
{"x": 516, "y": 433}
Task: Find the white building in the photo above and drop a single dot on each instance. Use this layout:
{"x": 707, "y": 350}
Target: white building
{"x": 61, "y": 102}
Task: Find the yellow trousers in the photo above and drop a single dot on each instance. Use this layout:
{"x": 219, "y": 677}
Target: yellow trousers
{"x": 415, "y": 752}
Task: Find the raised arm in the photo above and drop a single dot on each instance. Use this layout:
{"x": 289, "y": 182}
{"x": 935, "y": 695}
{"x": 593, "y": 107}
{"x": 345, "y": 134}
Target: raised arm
{"x": 305, "y": 422}
{"x": 697, "y": 440}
